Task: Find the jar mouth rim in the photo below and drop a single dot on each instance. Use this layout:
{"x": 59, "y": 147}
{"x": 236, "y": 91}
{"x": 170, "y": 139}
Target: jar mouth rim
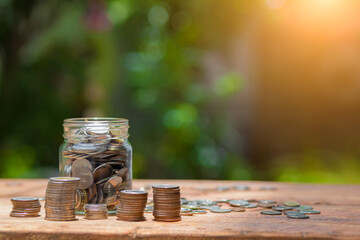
{"x": 95, "y": 121}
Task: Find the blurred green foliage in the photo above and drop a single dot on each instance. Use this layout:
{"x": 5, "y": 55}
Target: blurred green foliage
{"x": 139, "y": 60}
{"x": 63, "y": 59}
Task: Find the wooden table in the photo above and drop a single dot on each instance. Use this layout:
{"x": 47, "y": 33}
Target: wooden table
{"x": 339, "y": 218}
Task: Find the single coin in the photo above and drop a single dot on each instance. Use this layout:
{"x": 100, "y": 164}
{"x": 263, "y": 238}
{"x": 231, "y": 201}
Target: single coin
{"x": 222, "y": 188}
{"x": 87, "y": 147}
{"x": 84, "y": 173}
{"x": 220, "y": 210}
{"x": 167, "y": 186}
{"x": 251, "y": 205}
{"x": 291, "y": 212}
{"x": 206, "y": 202}
{"x": 183, "y": 210}
{"x": 310, "y": 211}
{"x": 237, "y": 209}
{"x": 103, "y": 171}
{"x": 281, "y": 208}
{"x": 292, "y": 204}
{"x": 123, "y": 173}
{"x": 134, "y": 192}
{"x": 268, "y": 188}
{"x": 25, "y": 199}
{"x": 64, "y": 179}
{"x": 187, "y": 214}
{"x": 271, "y": 212}
{"x": 238, "y": 203}
{"x": 81, "y": 163}
{"x": 242, "y": 187}
{"x": 267, "y": 205}
{"x": 198, "y": 211}
{"x": 297, "y": 216}
{"x": 267, "y": 201}
{"x": 223, "y": 200}
{"x": 304, "y": 207}
{"x": 112, "y": 185}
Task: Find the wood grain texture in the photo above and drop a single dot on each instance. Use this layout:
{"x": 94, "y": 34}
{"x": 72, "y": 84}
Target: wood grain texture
{"x": 339, "y": 218}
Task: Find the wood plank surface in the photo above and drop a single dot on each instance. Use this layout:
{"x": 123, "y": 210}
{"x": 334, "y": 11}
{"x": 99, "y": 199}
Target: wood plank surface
{"x": 339, "y": 218}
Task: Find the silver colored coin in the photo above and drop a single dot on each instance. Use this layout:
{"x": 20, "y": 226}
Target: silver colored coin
{"x": 303, "y": 207}
{"x": 281, "y": 208}
{"x": 238, "y": 203}
{"x": 291, "y": 212}
{"x": 84, "y": 173}
{"x": 222, "y": 188}
{"x": 242, "y": 187}
{"x": 267, "y": 201}
{"x": 199, "y": 211}
{"x": 268, "y": 188}
{"x": 298, "y": 216}
{"x": 292, "y": 204}
{"x": 251, "y": 205}
{"x": 271, "y": 212}
{"x": 310, "y": 212}
{"x": 220, "y": 210}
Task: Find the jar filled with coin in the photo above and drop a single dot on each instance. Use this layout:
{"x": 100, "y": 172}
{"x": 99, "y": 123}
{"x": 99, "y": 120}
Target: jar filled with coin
{"x": 97, "y": 151}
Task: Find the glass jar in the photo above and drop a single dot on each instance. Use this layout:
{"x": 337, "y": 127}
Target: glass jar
{"x": 98, "y": 152}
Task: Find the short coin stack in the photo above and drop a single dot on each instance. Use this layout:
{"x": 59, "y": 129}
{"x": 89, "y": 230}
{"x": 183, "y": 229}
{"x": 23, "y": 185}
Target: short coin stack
{"x": 167, "y": 204}
{"x": 25, "y": 207}
{"x": 60, "y": 198}
{"x": 96, "y": 211}
{"x": 132, "y": 205}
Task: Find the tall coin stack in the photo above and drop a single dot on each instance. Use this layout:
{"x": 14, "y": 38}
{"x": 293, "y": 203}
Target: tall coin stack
{"x": 96, "y": 211}
{"x": 60, "y": 198}
{"x": 25, "y": 207}
{"x": 132, "y": 205}
{"x": 167, "y": 204}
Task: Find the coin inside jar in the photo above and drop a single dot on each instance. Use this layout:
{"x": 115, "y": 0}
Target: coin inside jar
{"x": 103, "y": 171}
{"x": 112, "y": 185}
{"x": 85, "y": 174}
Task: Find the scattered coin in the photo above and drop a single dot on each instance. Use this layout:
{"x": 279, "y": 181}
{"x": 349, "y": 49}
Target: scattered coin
{"x": 292, "y": 204}
{"x": 222, "y": 188}
{"x": 251, "y": 205}
{"x": 198, "y": 211}
{"x": 267, "y": 205}
{"x": 268, "y": 188}
{"x": 238, "y": 203}
{"x": 298, "y": 216}
{"x": 291, "y": 212}
{"x": 267, "y": 201}
{"x": 303, "y": 207}
{"x": 281, "y": 208}
{"x": 310, "y": 211}
{"x": 220, "y": 210}
{"x": 241, "y": 187}
{"x": 237, "y": 209}
{"x": 271, "y": 212}
{"x": 187, "y": 213}
{"x": 223, "y": 200}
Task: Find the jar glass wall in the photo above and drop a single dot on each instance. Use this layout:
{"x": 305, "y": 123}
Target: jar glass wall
{"x": 97, "y": 151}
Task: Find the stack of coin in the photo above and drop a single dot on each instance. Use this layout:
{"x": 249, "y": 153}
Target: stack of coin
{"x": 167, "y": 203}
{"x": 96, "y": 211}
{"x": 132, "y": 205}
{"x": 25, "y": 207}
{"x": 60, "y": 198}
